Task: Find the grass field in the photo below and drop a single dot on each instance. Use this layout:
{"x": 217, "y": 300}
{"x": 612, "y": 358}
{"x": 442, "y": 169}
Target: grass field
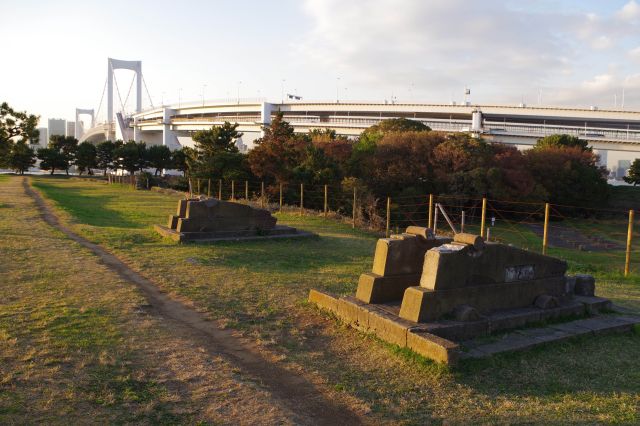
{"x": 77, "y": 345}
{"x": 260, "y": 288}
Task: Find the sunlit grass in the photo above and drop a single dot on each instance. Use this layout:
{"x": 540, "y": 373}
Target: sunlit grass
{"x": 260, "y": 288}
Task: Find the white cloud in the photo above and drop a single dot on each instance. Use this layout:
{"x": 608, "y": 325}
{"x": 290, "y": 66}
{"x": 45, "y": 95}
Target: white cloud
{"x": 630, "y": 12}
{"x": 430, "y": 42}
{"x": 602, "y": 42}
{"x": 635, "y": 53}
{"x": 500, "y": 52}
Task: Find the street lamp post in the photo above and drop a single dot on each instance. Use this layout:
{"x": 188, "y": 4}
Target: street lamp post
{"x": 282, "y": 90}
{"x": 337, "y": 90}
{"x": 239, "y": 83}
{"x": 203, "y": 87}
{"x": 179, "y": 97}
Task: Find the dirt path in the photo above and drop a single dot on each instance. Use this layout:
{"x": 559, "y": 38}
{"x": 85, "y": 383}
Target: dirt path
{"x": 297, "y": 394}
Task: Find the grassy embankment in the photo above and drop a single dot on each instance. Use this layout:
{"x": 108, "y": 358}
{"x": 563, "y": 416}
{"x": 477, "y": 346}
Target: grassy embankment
{"x": 260, "y": 288}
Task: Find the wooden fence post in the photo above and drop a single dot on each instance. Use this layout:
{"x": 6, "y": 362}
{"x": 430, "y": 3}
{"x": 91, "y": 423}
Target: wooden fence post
{"x": 233, "y": 190}
{"x": 280, "y": 196}
{"x": 627, "y": 260}
{"x": 388, "y": 216}
{"x": 302, "y": 198}
{"x": 325, "y": 202}
{"x": 430, "y": 223}
{"x": 483, "y": 217}
{"x": 246, "y": 190}
{"x": 353, "y": 225}
{"x": 209, "y": 188}
{"x": 219, "y": 189}
{"x": 545, "y": 231}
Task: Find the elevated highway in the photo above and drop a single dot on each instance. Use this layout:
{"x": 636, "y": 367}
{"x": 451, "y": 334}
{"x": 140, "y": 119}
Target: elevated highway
{"x": 615, "y": 134}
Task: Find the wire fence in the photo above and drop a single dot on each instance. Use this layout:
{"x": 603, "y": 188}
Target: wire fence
{"x": 590, "y": 239}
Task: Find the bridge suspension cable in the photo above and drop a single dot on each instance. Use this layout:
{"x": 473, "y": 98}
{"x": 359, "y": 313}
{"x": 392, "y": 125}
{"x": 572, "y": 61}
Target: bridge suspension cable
{"x": 129, "y": 92}
{"x": 101, "y": 98}
{"x": 147, "y": 90}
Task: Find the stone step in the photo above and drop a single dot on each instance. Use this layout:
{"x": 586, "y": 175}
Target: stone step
{"x": 529, "y": 338}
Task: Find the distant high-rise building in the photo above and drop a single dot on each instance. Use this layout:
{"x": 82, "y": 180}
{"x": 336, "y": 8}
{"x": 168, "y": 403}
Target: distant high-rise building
{"x": 43, "y": 139}
{"x": 71, "y": 128}
{"x": 57, "y": 126}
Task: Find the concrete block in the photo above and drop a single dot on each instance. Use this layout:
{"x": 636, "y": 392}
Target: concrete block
{"x": 350, "y": 311}
{"x": 389, "y": 327}
{"x": 601, "y": 325}
{"x": 324, "y": 300}
{"x": 594, "y": 305}
{"x": 433, "y": 347}
{"x": 545, "y": 301}
{"x": 373, "y": 288}
{"x": 585, "y": 285}
{"x": 459, "y": 330}
{"x": 513, "y": 318}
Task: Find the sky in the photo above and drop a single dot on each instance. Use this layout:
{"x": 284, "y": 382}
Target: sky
{"x": 547, "y": 52}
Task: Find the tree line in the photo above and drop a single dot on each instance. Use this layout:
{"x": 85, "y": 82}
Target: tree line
{"x": 403, "y": 157}
{"x": 399, "y": 157}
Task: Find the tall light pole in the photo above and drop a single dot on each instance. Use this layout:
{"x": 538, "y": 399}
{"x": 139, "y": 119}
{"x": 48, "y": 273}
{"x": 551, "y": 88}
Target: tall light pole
{"x": 162, "y": 101}
{"x": 179, "y": 97}
{"x": 203, "y": 86}
{"x": 239, "y": 83}
{"x": 282, "y": 90}
{"x": 337, "y": 90}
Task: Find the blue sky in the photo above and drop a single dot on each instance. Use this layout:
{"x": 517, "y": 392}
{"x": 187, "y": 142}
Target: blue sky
{"x": 573, "y": 53}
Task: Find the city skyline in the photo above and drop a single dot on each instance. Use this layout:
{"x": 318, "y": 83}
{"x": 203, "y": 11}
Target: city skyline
{"x": 564, "y": 53}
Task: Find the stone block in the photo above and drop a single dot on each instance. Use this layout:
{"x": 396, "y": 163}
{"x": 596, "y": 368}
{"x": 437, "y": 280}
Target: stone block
{"x": 476, "y": 241}
{"x": 433, "y": 347}
{"x": 425, "y": 233}
{"x": 594, "y": 305}
{"x": 400, "y": 255}
{"x": 422, "y": 304}
{"x": 459, "y": 330}
{"x": 389, "y": 327}
{"x": 545, "y": 301}
{"x": 570, "y": 284}
{"x": 585, "y": 285}
{"x": 452, "y": 266}
{"x": 351, "y": 311}
{"x": 323, "y": 300}
{"x": 173, "y": 222}
{"x": 513, "y": 318}
{"x": 466, "y": 313}
{"x": 604, "y": 324}
{"x": 373, "y": 288}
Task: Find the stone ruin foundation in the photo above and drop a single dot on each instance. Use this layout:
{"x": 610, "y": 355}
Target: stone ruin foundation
{"x": 210, "y": 220}
{"x": 441, "y": 297}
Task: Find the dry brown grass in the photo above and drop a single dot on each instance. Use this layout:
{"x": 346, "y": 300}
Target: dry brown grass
{"x": 80, "y": 346}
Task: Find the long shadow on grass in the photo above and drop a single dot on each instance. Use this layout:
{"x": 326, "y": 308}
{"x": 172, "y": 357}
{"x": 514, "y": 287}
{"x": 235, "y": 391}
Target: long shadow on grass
{"x": 292, "y": 255}
{"x": 87, "y": 209}
{"x": 601, "y": 365}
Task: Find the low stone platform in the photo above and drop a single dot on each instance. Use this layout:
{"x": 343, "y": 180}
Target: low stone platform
{"x": 448, "y": 340}
{"x": 210, "y": 220}
{"x": 278, "y": 231}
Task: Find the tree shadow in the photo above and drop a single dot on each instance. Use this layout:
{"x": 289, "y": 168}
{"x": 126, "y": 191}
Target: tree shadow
{"x": 602, "y": 364}
{"x": 86, "y": 209}
{"x": 293, "y": 255}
